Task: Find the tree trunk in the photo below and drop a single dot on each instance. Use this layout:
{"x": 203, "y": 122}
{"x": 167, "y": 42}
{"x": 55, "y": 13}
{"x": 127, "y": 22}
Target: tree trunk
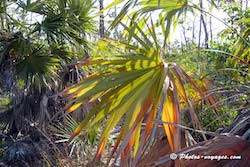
{"x": 211, "y": 30}
{"x": 184, "y": 33}
{"x": 205, "y": 30}
{"x": 101, "y": 22}
{"x": 202, "y": 21}
{"x": 193, "y": 31}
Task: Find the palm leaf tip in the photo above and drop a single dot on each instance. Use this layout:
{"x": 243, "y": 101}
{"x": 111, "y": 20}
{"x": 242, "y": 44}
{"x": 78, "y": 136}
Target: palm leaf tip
{"x": 100, "y": 150}
{"x": 74, "y": 107}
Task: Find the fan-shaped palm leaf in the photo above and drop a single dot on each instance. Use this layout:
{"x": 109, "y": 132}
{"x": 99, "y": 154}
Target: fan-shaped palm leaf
{"x": 63, "y": 20}
{"x": 134, "y": 87}
{"x": 33, "y": 62}
{"x": 39, "y": 67}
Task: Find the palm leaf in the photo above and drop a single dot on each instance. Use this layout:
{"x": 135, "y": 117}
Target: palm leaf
{"x": 169, "y": 13}
{"x": 131, "y": 87}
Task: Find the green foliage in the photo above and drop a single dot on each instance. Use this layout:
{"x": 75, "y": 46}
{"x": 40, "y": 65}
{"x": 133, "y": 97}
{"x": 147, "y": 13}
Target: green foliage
{"x": 37, "y": 40}
{"x": 212, "y": 121}
{"x": 39, "y": 49}
{"x": 20, "y": 84}
{"x": 240, "y": 22}
{"x": 82, "y": 147}
{"x": 229, "y": 67}
{"x": 63, "y": 20}
{"x": 4, "y": 101}
{"x": 188, "y": 57}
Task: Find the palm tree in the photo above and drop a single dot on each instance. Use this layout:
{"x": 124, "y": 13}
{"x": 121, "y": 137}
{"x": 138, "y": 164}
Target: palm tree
{"x": 36, "y": 51}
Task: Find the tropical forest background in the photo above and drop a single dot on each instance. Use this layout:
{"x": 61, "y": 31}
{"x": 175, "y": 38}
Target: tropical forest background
{"x": 124, "y": 82}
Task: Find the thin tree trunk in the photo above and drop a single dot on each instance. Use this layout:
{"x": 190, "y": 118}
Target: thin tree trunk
{"x": 199, "y": 47}
{"x": 202, "y": 22}
{"x": 184, "y": 34}
{"x": 101, "y": 23}
{"x": 193, "y": 31}
{"x": 199, "y": 39}
{"x": 205, "y": 30}
{"x": 211, "y": 30}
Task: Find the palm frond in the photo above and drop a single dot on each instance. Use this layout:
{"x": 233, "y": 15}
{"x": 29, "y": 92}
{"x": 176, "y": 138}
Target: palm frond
{"x": 39, "y": 67}
{"x": 168, "y": 13}
{"x": 67, "y": 21}
{"x": 81, "y": 144}
{"x": 133, "y": 87}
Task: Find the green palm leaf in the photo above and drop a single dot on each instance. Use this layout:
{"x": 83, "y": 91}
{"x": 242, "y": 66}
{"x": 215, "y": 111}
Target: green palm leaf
{"x": 63, "y": 20}
{"x": 169, "y": 13}
{"x": 38, "y": 66}
{"x": 133, "y": 87}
